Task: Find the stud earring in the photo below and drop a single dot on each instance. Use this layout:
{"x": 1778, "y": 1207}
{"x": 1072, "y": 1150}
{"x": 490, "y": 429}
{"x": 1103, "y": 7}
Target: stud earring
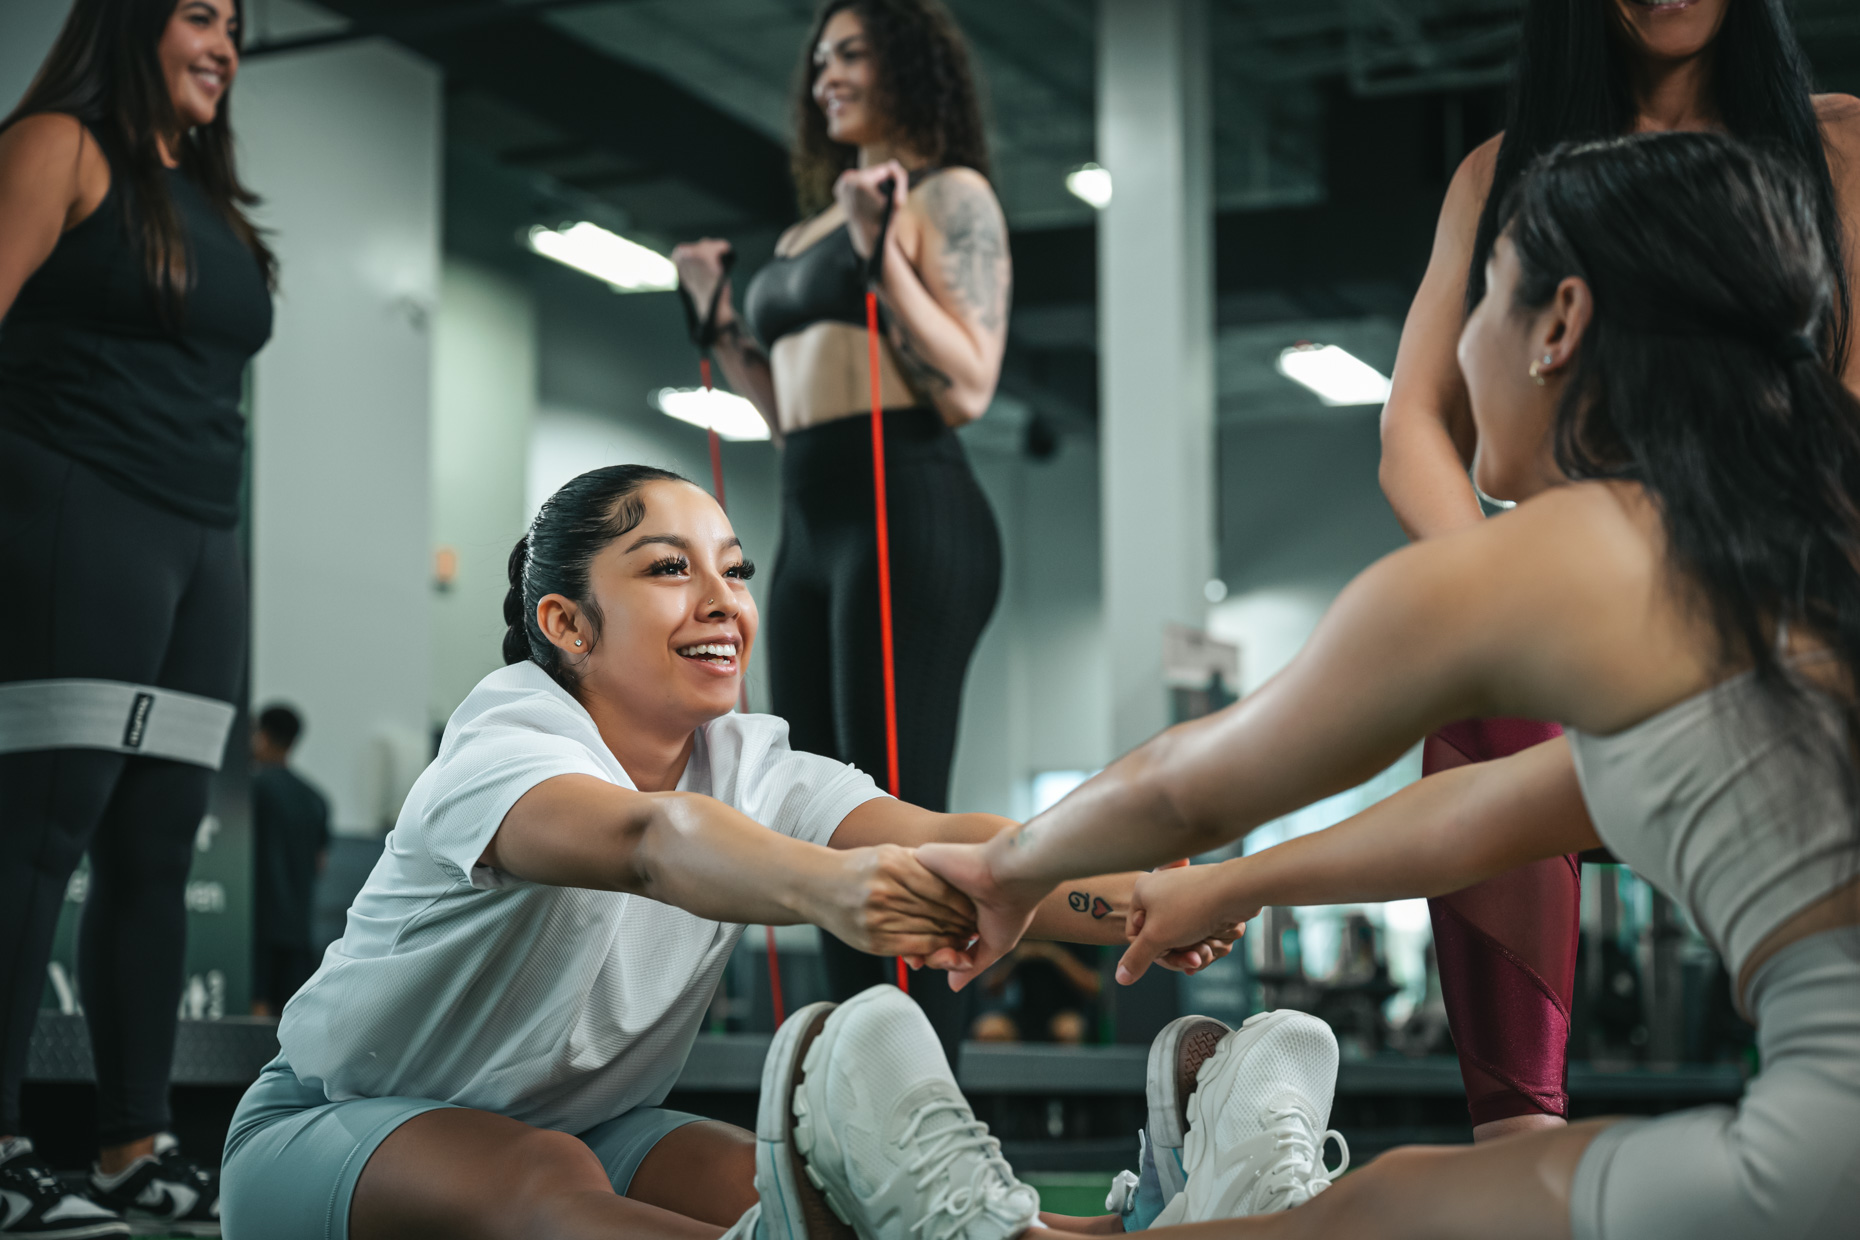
{"x": 1537, "y": 369}
{"x": 577, "y": 641}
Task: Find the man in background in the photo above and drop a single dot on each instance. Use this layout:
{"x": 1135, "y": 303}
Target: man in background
{"x": 290, "y": 834}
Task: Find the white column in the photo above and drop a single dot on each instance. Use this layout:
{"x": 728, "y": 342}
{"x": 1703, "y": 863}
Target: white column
{"x": 484, "y": 409}
{"x": 1155, "y": 343}
{"x": 345, "y": 146}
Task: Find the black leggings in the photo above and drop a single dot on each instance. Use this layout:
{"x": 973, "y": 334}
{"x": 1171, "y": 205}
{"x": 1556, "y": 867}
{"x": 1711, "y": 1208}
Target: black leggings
{"x": 103, "y": 586}
{"x": 825, "y": 656}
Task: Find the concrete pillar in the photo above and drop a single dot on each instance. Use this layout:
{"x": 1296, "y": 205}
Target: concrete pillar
{"x": 484, "y": 409}
{"x": 345, "y": 146}
{"x": 1155, "y": 343}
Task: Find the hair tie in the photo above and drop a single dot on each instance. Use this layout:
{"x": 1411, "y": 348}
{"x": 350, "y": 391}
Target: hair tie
{"x": 1797, "y": 347}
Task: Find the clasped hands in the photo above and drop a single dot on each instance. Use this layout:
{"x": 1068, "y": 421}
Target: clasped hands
{"x": 941, "y": 906}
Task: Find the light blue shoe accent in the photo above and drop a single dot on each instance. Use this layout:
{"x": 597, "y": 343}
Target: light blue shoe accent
{"x": 1140, "y": 1196}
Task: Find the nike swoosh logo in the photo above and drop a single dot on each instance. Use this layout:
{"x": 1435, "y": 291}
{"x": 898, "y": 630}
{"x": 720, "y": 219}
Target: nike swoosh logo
{"x": 17, "y": 1206}
{"x": 180, "y": 1199}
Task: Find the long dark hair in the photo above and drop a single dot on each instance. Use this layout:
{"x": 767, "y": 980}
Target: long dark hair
{"x": 105, "y": 70}
{"x": 1697, "y": 377}
{"x": 926, "y": 88}
{"x": 571, "y": 528}
{"x": 1572, "y": 84}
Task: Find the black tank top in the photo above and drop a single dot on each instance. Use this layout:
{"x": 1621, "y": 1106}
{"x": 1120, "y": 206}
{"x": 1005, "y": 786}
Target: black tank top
{"x": 90, "y": 369}
{"x": 825, "y": 283}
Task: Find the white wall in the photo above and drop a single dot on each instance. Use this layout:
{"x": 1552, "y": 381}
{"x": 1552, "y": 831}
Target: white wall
{"x": 345, "y": 146}
{"x": 484, "y": 405}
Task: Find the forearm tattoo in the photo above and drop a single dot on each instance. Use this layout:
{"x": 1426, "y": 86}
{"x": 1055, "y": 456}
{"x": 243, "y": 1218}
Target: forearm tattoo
{"x": 732, "y": 336}
{"x": 974, "y": 263}
{"x": 1086, "y": 902}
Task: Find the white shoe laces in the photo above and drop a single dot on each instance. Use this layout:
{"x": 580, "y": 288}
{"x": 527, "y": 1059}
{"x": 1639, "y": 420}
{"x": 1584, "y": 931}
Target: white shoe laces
{"x": 967, "y": 1136}
{"x": 1298, "y": 1174}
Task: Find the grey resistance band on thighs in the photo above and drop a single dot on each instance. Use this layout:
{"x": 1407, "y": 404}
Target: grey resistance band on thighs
{"x": 113, "y": 715}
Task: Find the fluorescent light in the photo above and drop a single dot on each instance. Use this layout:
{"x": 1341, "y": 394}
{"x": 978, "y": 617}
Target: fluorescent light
{"x": 1091, "y": 183}
{"x": 627, "y": 265}
{"x": 1338, "y": 377}
{"x": 729, "y": 415}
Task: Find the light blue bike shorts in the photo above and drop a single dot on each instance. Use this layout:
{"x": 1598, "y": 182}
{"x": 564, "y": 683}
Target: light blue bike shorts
{"x": 293, "y": 1156}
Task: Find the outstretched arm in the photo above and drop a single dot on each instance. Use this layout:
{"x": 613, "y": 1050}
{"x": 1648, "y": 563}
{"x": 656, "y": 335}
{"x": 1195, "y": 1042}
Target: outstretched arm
{"x": 1443, "y": 833}
{"x": 1552, "y": 611}
{"x": 701, "y": 855}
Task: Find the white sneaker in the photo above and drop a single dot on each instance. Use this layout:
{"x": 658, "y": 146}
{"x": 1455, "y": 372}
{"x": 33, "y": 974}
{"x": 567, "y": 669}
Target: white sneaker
{"x": 1256, "y": 1120}
{"x": 792, "y": 1208}
{"x": 1176, "y": 1056}
{"x": 887, "y": 1137}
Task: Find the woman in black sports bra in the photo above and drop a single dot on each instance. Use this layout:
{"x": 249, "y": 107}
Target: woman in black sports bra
{"x": 888, "y": 97}
{"x": 133, "y": 290}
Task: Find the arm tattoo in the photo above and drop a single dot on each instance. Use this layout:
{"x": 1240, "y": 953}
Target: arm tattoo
{"x": 1086, "y": 902}
{"x": 975, "y": 263}
{"x": 923, "y": 376}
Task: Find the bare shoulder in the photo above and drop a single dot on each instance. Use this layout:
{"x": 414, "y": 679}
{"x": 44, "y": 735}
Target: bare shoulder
{"x": 42, "y": 142}
{"x": 1837, "y": 110}
{"x": 1840, "y": 130}
{"x": 955, "y": 199}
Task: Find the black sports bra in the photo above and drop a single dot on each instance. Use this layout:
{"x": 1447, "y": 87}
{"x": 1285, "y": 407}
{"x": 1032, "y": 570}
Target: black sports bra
{"x": 825, "y": 283}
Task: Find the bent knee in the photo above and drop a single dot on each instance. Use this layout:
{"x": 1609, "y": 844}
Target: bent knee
{"x": 544, "y": 1164}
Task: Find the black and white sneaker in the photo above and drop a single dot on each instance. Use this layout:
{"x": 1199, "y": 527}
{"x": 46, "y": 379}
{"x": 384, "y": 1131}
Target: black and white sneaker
{"x": 165, "y": 1193}
{"x": 33, "y": 1204}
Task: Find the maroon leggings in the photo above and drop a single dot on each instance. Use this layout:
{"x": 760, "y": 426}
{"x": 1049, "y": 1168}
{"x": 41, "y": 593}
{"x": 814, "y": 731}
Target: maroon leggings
{"x": 1507, "y": 953}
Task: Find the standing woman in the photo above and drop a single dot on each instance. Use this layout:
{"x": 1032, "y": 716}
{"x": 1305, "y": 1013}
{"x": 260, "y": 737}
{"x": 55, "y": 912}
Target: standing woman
{"x": 1586, "y": 69}
{"x": 886, "y": 103}
{"x": 133, "y": 290}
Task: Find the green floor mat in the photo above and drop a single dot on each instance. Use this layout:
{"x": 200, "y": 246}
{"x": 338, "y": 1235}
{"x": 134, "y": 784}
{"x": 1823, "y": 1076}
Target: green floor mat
{"x": 1066, "y": 1192}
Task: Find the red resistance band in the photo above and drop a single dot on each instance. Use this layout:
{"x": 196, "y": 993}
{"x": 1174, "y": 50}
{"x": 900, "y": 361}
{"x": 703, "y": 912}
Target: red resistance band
{"x": 875, "y": 265}
{"x": 704, "y": 334}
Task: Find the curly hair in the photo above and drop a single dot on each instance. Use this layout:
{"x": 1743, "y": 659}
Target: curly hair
{"x": 925, "y": 87}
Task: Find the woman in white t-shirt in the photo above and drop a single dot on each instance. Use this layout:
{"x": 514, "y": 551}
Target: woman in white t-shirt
{"x": 484, "y": 1051}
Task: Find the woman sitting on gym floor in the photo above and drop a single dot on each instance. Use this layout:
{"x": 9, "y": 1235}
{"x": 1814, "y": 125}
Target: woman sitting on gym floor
{"x": 484, "y": 1052}
{"x": 1680, "y": 587}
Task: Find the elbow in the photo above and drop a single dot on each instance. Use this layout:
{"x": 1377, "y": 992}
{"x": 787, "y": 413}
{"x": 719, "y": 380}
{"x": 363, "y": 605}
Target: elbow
{"x": 966, "y": 403}
{"x": 1159, "y": 785}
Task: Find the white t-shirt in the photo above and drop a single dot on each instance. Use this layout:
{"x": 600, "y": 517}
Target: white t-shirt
{"x": 558, "y": 1006}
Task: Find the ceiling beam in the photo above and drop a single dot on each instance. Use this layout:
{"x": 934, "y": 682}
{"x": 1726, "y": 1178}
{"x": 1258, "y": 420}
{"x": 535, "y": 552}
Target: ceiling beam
{"x": 612, "y": 106}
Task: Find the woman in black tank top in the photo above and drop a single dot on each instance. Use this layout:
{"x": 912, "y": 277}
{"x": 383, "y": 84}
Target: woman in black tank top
{"x": 133, "y": 290}
{"x": 888, "y": 97}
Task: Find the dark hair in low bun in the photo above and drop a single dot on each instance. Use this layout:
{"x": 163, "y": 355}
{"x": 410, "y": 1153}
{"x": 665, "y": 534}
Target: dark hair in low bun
{"x": 573, "y": 526}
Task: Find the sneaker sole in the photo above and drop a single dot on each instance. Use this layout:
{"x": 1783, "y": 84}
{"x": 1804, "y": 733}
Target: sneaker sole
{"x": 1175, "y": 1062}
{"x": 801, "y": 1211}
{"x": 94, "y": 1231}
{"x": 155, "y": 1227}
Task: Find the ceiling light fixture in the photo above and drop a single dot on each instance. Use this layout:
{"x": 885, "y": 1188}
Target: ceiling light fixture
{"x": 626, "y": 265}
{"x": 1338, "y": 377}
{"x": 729, "y": 415}
{"x": 1092, "y": 184}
